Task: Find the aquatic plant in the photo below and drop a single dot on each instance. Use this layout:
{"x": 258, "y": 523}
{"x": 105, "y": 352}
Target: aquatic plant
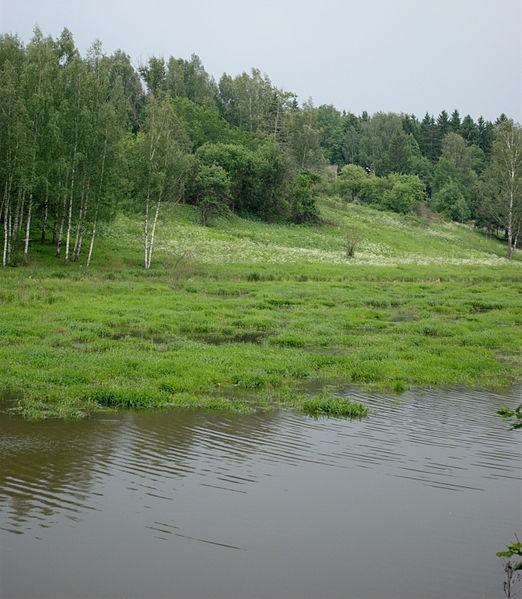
{"x": 514, "y": 415}
{"x": 511, "y": 569}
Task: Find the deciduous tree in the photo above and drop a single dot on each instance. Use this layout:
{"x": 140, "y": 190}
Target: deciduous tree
{"x": 502, "y": 200}
{"x": 162, "y": 151}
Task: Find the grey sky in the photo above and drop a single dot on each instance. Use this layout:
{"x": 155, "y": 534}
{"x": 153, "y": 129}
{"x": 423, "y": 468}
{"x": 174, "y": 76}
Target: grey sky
{"x": 391, "y": 55}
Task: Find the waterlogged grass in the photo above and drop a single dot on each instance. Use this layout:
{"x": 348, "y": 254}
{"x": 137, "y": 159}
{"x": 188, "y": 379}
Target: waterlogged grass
{"x": 251, "y": 326}
{"x": 333, "y": 406}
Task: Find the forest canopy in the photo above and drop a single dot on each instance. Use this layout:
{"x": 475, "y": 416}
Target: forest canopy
{"x": 84, "y": 136}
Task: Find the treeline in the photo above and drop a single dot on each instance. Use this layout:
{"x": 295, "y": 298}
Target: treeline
{"x": 81, "y": 135}
{"x": 465, "y": 171}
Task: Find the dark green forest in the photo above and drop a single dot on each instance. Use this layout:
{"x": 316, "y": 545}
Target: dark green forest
{"x": 82, "y": 137}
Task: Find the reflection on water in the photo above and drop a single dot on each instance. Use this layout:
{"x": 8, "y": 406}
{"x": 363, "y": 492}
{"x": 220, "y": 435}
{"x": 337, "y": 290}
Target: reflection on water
{"x": 412, "y": 502}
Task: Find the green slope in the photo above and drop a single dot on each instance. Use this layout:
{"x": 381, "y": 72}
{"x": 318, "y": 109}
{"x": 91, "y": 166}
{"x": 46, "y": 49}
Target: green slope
{"x": 385, "y": 239}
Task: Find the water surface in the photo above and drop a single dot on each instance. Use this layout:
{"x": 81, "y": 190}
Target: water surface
{"x": 412, "y": 502}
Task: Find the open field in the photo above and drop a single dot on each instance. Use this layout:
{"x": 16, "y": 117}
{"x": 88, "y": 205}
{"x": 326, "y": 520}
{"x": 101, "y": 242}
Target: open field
{"x": 245, "y": 315}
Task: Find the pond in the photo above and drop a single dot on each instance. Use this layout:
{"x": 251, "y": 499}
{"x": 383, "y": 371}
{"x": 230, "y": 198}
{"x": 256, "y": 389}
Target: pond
{"x": 414, "y": 501}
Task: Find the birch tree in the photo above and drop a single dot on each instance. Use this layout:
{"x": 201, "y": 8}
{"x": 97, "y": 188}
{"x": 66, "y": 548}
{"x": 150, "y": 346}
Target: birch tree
{"x": 304, "y": 137}
{"x": 74, "y": 123}
{"x": 247, "y": 102}
{"x": 502, "y": 202}
{"x": 162, "y": 150}
{"x": 12, "y": 136}
{"x": 38, "y": 84}
{"x": 107, "y": 110}
{"x": 27, "y": 119}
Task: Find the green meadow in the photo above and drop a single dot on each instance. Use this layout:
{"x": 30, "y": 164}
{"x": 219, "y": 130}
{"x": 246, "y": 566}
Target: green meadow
{"x": 245, "y": 315}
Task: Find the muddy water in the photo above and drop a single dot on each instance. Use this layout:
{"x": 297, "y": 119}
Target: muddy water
{"x": 412, "y": 502}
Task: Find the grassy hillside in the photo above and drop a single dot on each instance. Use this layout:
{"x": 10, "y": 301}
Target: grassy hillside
{"x": 387, "y": 239}
{"x": 245, "y": 315}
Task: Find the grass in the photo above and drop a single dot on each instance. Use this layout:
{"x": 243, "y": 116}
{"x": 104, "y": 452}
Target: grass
{"x": 334, "y": 406}
{"x": 236, "y": 316}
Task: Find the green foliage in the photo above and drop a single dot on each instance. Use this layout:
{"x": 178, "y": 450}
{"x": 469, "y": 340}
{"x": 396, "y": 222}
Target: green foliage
{"x": 501, "y": 202}
{"x": 449, "y": 200}
{"x": 469, "y": 130}
{"x": 397, "y": 192}
{"x": 202, "y": 122}
{"x": 430, "y": 138}
{"x": 478, "y": 159}
{"x": 61, "y": 149}
{"x": 405, "y": 193}
{"x": 303, "y": 203}
{"x": 512, "y": 550}
{"x": 514, "y": 415}
{"x": 304, "y": 138}
{"x": 331, "y": 124}
{"x": 250, "y": 103}
{"x": 162, "y": 165}
{"x": 399, "y": 155}
{"x": 454, "y": 184}
{"x": 153, "y": 73}
{"x": 188, "y": 79}
{"x": 377, "y": 133}
{"x": 257, "y": 178}
{"x": 352, "y": 181}
{"x": 511, "y": 569}
{"x": 212, "y": 191}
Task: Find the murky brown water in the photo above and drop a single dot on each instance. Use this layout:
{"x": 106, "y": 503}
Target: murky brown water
{"x": 412, "y": 502}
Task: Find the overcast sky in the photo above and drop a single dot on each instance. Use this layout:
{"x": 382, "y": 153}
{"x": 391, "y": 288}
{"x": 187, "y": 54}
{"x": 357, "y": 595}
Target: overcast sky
{"x": 412, "y": 56}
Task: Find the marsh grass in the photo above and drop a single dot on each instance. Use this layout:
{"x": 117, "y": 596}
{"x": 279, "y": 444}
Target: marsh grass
{"x": 325, "y": 405}
{"x": 281, "y": 307}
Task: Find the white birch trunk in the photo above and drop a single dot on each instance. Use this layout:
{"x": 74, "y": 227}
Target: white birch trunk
{"x": 10, "y": 238}
{"x": 62, "y": 225}
{"x": 98, "y": 199}
{"x": 78, "y": 228}
{"x": 4, "y": 198}
{"x": 69, "y": 218}
{"x": 81, "y": 224}
{"x": 146, "y": 231}
{"x": 79, "y": 236}
{"x": 68, "y": 232}
{"x": 93, "y": 235}
{"x": 152, "y": 152}
{"x": 6, "y": 232}
{"x": 28, "y": 228}
{"x": 510, "y": 224}
{"x": 153, "y": 232}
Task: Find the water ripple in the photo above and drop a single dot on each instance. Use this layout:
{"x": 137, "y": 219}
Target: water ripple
{"x": 450, "y": 440}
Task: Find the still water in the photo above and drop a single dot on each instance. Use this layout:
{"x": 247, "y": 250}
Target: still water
{"x": 412, "y": 502}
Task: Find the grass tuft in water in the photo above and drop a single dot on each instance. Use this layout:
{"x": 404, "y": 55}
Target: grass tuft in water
{"x": 328, "y": 405}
